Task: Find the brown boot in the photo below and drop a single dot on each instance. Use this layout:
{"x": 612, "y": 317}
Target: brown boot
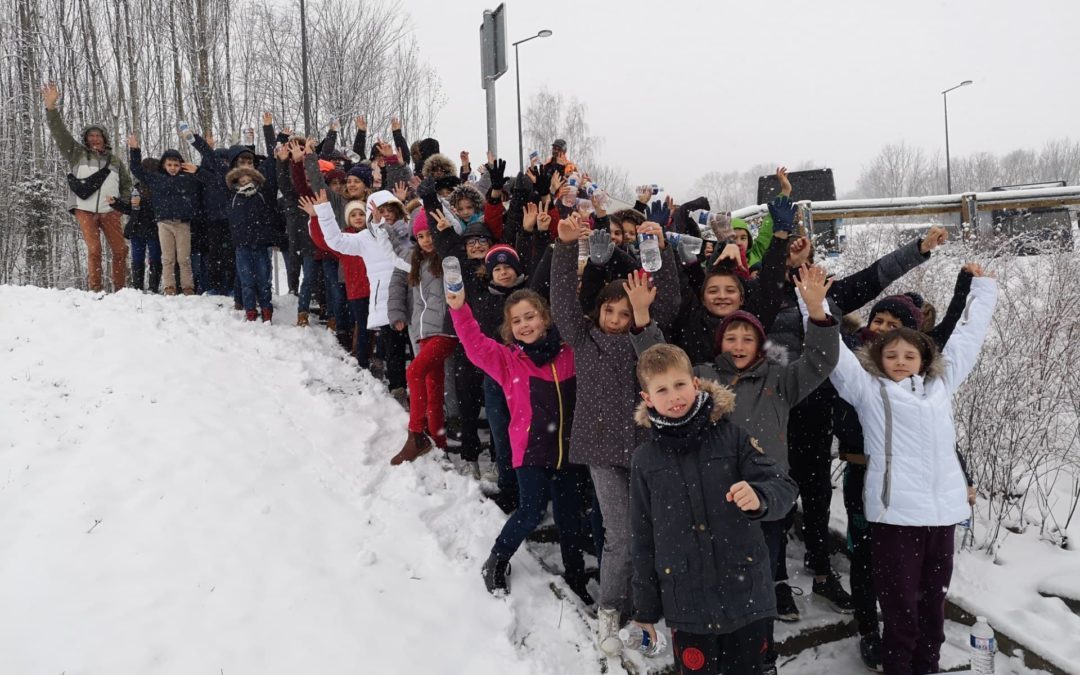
{"x": 415, "y": 446}
{"x": 331, "y": 325}
{"x": 189, "y": 291}
{"x": 301, "y": 319}
{"x": 170, "y": 290}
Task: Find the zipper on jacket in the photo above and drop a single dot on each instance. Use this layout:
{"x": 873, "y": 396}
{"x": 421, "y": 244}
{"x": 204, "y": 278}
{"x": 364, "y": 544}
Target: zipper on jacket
{"x": 558, "y": 394}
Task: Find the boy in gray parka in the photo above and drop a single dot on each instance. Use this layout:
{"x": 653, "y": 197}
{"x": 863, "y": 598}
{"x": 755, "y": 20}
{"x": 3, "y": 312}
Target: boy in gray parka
{"x": 765, "y": 391}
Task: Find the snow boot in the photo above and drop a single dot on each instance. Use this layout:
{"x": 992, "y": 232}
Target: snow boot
{"x": 267, "y": 314}
{"x": 331, "y": 325}
{"x": 472, "y": 470}
{"x": 608, "y": 623}
{"x": 153, "y": 284}
{"x": 577, "y": 581}
{"x": 415, "y": 446}
{"x": 786, "y": 609}
{"x": 401, "y": 396}
{"x": 251, "y": 315}
{"x": 137, "y": 274}
{"x": 189, "y": 291}
{"x": 832, "y": 592}
{"x": 170, "y": 290}
{"x": 301, "y": 319}
{"x": 495, "y": 572}
{"x": 870, "y": 651}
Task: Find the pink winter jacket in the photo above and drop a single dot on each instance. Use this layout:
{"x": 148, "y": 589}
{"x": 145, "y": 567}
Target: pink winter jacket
{"x": 540, "y": 398}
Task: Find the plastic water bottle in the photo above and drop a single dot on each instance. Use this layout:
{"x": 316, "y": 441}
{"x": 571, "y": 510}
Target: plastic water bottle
{"x": 585, "y": 207}
{"x": 134, "y": 196}
{"x": 634, "y": 637}
{"x": 649, "y": 249}
{"x": 185, "y": 131}
{"x": 688, "y": 241}
{"x": 583, "y": 250}
{"x": 574, "y": 180}
{"x": 451, "y": 268}
{"x": 700, "y": 216}
{"x": 569, "y": 199}
{"x": 534, "y": 157}
{"x": 249, "y": 136}
{"x": 983, "y": 647}
{"x": 656, "y": 189}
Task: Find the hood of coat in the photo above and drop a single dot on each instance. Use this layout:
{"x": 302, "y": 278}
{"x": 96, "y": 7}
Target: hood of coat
{"x": 427, "y": 148}
{"x": 232, "y": 179}
{"x": 169, "y": 154}
{"x": 468, "y": 191}
{"x": 934, "y": 369}
{"x": 104, "y": 134}
{"x": 438, "y": 164}
{"x": 237, "y": 150}
{"x": 723, "y": 403}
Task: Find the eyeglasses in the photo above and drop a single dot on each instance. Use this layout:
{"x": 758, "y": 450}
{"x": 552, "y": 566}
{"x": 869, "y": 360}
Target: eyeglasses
{"x": 476, "y": 242}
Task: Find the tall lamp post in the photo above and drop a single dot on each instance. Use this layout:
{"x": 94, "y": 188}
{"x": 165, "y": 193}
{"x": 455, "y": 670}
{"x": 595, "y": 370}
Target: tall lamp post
{"x": 948, "y": 166}
{"x": 517, "y": 76}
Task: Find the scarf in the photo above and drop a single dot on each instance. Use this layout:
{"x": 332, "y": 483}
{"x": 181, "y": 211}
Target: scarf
{"x": 544, "y": 350}
{"x": 247, "y": 189}
{"x": 683, "y": 433}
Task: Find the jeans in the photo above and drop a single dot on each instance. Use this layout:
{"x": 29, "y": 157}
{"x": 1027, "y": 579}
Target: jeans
{"x": 498, "y": 416}
{"x": 198, "y": 271}
{"x": 359, "y": 310}
{"x": 612, "y": 486}
{"x": 140, "y": 248}
{"x": 537, "y": 486}
{"x": 253, "y": 268}
{"x": 335, "y": 292}
{"x": 311, "y": 269}
{"x": 425, "y": 377}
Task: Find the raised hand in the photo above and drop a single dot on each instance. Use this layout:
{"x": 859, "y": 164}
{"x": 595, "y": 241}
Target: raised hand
{"x": 296, "y": 151}
{"x": 414, "y": 182}
{"x": 730, "y": 252}
{"x": 556, "y": 183}
{"x": 543, "y": 221}
{"x": 464, "y": 156}
{"x": 51, "y": 95}
{"x": 401, "y": 191}
{"x": 333, "y": 126}
{"x": 395, "y": 124}
{"x": 529, "y": 220}
{"x": 361, "y": 123}
{"x": 649, "y": 227}
{"x": 641, "y": 294}
{"x": 287, "y": 131}
{"x": 441, "y": 222}
{"x": 658, "y": 212}
{"x": 744, "y": 496}
{"x": 309, "y": 146}
{"x": 188, "y": 167}
{"x": 974, "y": 269}
{"x": 934, "y": 238}
{"x": 308, "y": 204}
{"x": 783, "y": 211}
{"x": 570, "y": 229}
{"x": 785, "y": 184}
{"x": 644, "y": 194}
{"x": 268, "y": 118}
{"x": 600, "y": 247}
{"x": 814, "y": 285}
{"x": 497, "y": 170}
{"x": 133, "y": 141}
{"x": 281, "y": 152}
{"x": 455, "y": 300}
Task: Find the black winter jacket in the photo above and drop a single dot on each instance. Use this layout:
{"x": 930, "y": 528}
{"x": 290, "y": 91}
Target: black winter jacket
{"x": 142, "y": 223}
{"x": 699, "y": 561}
{"x": 254, "y": 220}
{"x": 176, "y": 197}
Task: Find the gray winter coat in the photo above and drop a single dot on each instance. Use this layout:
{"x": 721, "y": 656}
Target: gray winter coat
{"x": 603, "y": 432}
{"x": 422, "y": 307}
{"x": 766, "y": 392}
{"x": 84, "y": 162}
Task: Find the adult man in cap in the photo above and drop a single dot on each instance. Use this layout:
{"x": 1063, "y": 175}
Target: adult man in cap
{"x": 559, "y": 162}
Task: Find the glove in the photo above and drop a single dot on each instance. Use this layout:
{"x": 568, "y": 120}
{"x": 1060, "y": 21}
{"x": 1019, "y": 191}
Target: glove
{"x": 600, "y": 247}
{"x": 658, "y": 213}
{"x": 543, "y": 182}
{"x": 783, "y": 212}
{"x": 701, "y": 203}
{"x": 427, "y": 193}
{"x": 497, "y": 173}
{"x": 720, "y": 224}
{"x": 522, "y": 189}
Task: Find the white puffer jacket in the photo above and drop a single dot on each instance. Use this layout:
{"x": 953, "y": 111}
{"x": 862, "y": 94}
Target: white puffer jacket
{"x": 913, "y": 474}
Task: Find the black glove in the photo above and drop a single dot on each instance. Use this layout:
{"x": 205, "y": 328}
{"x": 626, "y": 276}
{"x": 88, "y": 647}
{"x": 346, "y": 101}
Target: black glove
{"x": 428, "y": 194}
{"x": 783, "y": 212}
{"x": 701, "y": 203}
{"x": 658, "y": 213}
{"x": 497, "y": 173}
{"x": 522, "y": 189}
{"x": 543, "y": 182}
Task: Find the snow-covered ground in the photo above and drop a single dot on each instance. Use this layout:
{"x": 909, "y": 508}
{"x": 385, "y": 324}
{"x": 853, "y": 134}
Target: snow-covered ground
{"x": 184, "y": 492}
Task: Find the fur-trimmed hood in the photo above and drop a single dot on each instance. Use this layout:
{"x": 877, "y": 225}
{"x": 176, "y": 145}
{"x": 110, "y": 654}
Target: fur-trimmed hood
{"x": 233, "y": 177}
{"x": 723, "y": 403}
{"x": 470, "y": 192}
{"x": 436, "y": 163}
{"x": 935, "y": 368}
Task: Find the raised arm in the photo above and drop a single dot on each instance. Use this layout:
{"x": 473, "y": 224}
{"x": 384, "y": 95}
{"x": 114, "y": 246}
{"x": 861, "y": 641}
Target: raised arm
{"x": 565, "y": 305}
{"x": 962, "y": 351}
{"x": 858, "y": 289}
{"x": 359, "y": 144}
{"x": 342, "y": 242}
{"x": 64, "y": 140}
{"x": 485, "y": 353}
{"x": 941, "y": 333}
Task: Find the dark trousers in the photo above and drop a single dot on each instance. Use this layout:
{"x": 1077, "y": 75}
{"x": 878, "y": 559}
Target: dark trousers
{"x": 537, "y": 486}
{"x": 735, "y": 653}
{"x": 860, "y": 551}
{"x": 395, "y": 348}
{"x": 141, "y": 249}
{"x": 220, "y": 259}
{"x": 335, "y": 292}
{"x": 810, "y": 453}
{"x": 469, "y": 385}
{"x": 498, "y": 416}
{"x": 912, "y": 571}
{"x": 253, "y": 269}
{"x": 293, "y": 263}
{"x": 312, "y": 270}
{"x": 775, "y": 533}
{"x": 358, "y": 308}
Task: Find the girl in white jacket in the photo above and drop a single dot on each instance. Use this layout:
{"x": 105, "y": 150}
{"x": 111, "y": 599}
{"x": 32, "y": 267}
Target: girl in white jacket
{"x": 915, "y": 493}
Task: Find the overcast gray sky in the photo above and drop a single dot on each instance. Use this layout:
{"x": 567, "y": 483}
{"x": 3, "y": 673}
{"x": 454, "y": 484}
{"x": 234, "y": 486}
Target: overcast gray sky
{"x": 676, "y": 89}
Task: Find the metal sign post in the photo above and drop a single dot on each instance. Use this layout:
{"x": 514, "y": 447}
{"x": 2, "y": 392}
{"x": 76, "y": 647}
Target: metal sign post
{"x": 492, "y": 65}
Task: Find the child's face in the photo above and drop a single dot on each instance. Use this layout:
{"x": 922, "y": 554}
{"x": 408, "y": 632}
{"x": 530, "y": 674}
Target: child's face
{"x": 526, "y": 322}
{"x": 742, "y": 238}
{"x": 337, "y": 186}
{"x": 616, "y": 234}
{"x": 503, "y": 275}
{"x": 476, "y": 248}
{"x": 721, "y": 296}
{"x": 356, "y": 220}
{"x": 671, "y": 393}
{"x": 615, "y": 316}
{"x": 171, "y": 166}
{"x": 629, "y": 232}
{"x": 444, "y": 192}
{"x": 741, "y": 342}
{"x": 900, "y": 360}
{"x": 464, "y": 209}
{"x": 424, "y": 241}
{"x": 884, "y": 322}
{"x": 388, "y": 214}
{"x": 355, "y": 188}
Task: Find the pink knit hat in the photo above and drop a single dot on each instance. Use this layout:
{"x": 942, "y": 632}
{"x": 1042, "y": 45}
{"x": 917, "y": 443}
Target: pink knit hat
{"x": 419, "y": 222}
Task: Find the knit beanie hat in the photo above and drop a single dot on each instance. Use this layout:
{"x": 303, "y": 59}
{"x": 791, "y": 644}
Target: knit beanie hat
{"x": 745, "y": 317}
{"x": 501, "y": 254}
{"x": 900, "y": 306}
{"x": 363, "y": 172}
{"x": 350, "y": 207}
{"x": 335, "y": 174}
{"x": 419, "y": 223}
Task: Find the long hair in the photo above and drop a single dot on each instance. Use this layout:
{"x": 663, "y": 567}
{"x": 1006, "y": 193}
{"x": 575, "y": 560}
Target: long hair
{"x": 612, "y": 292}
{"x": 416, "y": 262}
{"x": 921, "y": 341}
{"x": 506, "y": 332}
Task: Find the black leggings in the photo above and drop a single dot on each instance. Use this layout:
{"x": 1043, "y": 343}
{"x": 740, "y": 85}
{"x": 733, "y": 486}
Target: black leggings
{"x": 735, "y": 653}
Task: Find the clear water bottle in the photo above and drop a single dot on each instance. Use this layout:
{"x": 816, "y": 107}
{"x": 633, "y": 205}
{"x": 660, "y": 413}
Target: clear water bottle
{"x": 569, "y": 199}
{"x": 534, "y": 157}
{"x": 249, "y": 136}
{"x": 649, "y": 249}
{"x": 185, "y": 131}
{"x": 452, "y": 280}
{"x": 634, "y": 637}
{"x": 656, "y": 189}
{"x": 701, "y": 217}
{"x": 585, "y": 207}
{"x": 983, "y": 647}
{"x": 583, "y": 250}
{"x": 134, "y": 196}
{"x": 574, "y": 181}
{"x": 689, "y": 242}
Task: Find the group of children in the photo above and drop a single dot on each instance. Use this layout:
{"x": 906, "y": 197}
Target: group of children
{"x": 671, "y": 418}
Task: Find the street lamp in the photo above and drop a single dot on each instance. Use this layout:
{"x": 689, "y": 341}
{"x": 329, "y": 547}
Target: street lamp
{"x": 948, "y": 166}
{"x": 517, "y": 76}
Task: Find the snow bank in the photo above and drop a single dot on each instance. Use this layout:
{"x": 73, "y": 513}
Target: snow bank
{"x": 185, "y": 492}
